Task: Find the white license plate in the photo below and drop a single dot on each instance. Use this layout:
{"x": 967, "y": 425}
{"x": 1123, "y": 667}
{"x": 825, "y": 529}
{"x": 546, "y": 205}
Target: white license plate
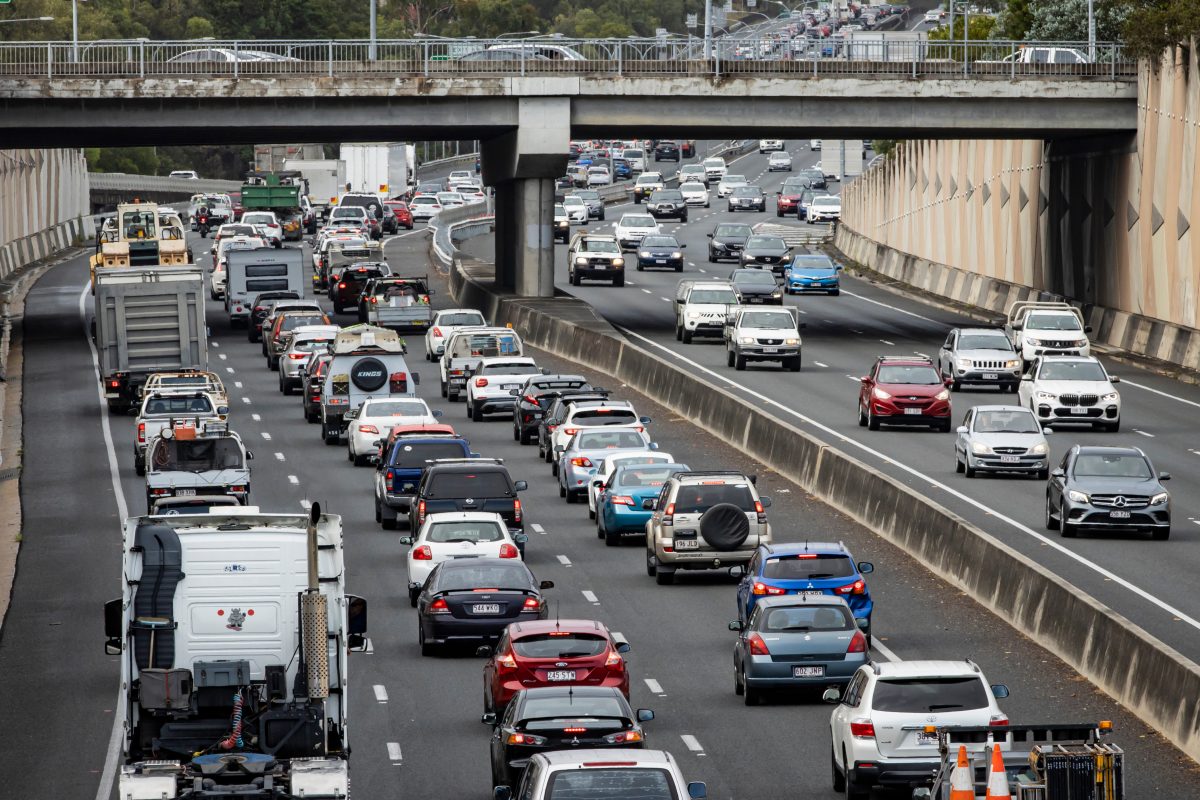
{"x": 912, "y": 410}
{"x": 1010, "y": 459}
{"x": 560, "y": 675}
{"x": 485, "y": 608}
{"x": 660, "y": 261}
{"x": 511, "y": 386}
{"x": 185, "y": 492}
{"x": 809, "y": 672}
{"x": 991, "y": 376}
{"x": 926, "y": 738}
{"x": 1118, "y": 514}
{"x": 687, "y": 544}
{"x": 1079, "y": 411}
{"x": 770, "y": 349}
{"x": 811, "y": 593}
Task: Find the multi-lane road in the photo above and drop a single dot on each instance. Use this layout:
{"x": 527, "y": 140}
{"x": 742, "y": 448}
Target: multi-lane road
{"x": 415, "y": 727}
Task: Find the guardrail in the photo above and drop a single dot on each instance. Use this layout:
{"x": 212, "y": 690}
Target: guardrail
{"x": 774, "y": 55}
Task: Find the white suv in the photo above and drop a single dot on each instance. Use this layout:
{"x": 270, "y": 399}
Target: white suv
{"x": 878, "y": 727}
{"x": 1071, "y": 389}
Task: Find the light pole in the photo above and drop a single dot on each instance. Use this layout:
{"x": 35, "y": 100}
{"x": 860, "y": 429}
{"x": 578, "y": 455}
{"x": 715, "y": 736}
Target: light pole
{"x": 520, "y": 33}
{"x": 372, "y": 50}
{"x": 1091, "y": 30}
{"x": 708, "y": 29}
{"x": 27, "y": 19}
{"x": 74, "y": 30}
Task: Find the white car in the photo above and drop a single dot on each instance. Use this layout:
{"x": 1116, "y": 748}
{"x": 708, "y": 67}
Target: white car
{"x": 374, "y": 419}
{"x": 188, "y": 174}
{"x": 933, "y": 16}
{"x": 598, "y": 176}
{"x": 490, "y": 387}
{"x": 301, "y": 343}
{"x": 355, "y": 216}
{"x": 691, "y": 172}
{"x": 471, "y": 193}
{"x": 695, "y": 193}
{"x": 632, "y": 228}
{"x": 267, "y": 223}
{"x": 769, "y": 145}
{"x": 424, "y": 207}
{"x": 781, "y": 161}
{"x": 823, "y": 208}
{"x": 218, "y": 281}
{"x": 451, "y": 199}
{"x": 596, "y": 773}
{"x": 589, "y": 413}
{"x": 878, "y": 726}
{"x": 714, "y": 169}
{"x": 577, "y": 209}
{"x": 458, "y": 177}
{"x": 730, "y": 182}
{"x": 609, "y": 466}
{"x": 1001, "y": 439}
{"x": 814, "y": 144}
{"x": 457, "y": 534}
{"x": 1071, "y": 389}
{"x": 446, "y": 322}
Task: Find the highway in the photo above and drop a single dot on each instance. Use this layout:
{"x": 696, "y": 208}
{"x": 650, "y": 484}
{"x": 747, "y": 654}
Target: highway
{"x": 415, "y": 721}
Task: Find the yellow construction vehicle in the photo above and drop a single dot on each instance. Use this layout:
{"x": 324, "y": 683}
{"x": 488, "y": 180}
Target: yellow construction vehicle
{"x": 141, "y": 235}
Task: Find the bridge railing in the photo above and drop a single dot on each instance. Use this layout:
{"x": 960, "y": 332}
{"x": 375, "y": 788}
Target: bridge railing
{"x": 764, "y": 56}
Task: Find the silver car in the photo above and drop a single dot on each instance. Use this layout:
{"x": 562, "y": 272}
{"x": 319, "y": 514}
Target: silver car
{"x": 980, "y": 357}
{"x": 301, "y": 343}
{"x": 582, "y": 455}
{"x": 1002, "y": 439}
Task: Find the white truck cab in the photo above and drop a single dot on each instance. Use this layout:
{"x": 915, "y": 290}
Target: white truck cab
{"x": 701, "y": 308}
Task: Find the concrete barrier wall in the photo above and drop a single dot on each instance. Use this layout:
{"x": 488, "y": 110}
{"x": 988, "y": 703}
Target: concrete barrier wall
{"x": 43, "y": 205}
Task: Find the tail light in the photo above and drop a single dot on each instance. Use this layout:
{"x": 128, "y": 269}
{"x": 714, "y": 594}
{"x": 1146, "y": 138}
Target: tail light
{"x": 509, "y": 551}
{"x": 374, "y": 300}
{"x": 437, "y": 332}
{"x": 506, "y": 662}
{"x": 862, "y": 728}
{"x": 480, "y": 383}
{"x": 525, "y": 738}
{"x": 858, "y": 643}
{"x": 624, "y": 737}
{"x": 575, "y": 729}
{"x": 422, "y": 553}
{"x": 516, "y": 509}
{"x": 622, "y": 500}
{"x": 614, "y": 659}
{"x": 762, "y": 589}
{"x": 762, "y": 515}
{"x": 389, "y": 476}
{"x": 398, "y": 382}
{"x": 367, "y": 429}
{"x": 532, "y": 604}
{"x": 238, "y": 489}
{"x": 669, "y": 514}
{"x": 159, "y": 492}
{"x": 858, "y": 587}
{"x": 998, "y": 719}
{"x": 421, "y": 512}
{"x": 757, "y": 646}
{"x": 297, "y": 356}
{"x": 570, "y": 431}
{"x": 114, "y": 383}
{"x": 439, "y": 606}
{"x": 530, "y": 399}
{"x": 341, "y": 284}
{"x": 141, "y": 433}
{"x": 581, "y": 462}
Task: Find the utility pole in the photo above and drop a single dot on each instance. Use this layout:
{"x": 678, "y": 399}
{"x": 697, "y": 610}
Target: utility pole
{"x": 707, "y": 29}
{"x": 371, "y": 53}
{"x": 1091, "y": 30}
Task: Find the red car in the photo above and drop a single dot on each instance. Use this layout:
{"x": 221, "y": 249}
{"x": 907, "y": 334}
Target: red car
{"x": 787, "y": 199}
{"x": 904, "y": 391}
{"x": 401, "y": 213}
{"x": 552, "y": 652}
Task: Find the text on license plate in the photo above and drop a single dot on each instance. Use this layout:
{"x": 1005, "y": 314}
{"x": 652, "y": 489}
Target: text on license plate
{"x": 660, "y": 261}
{"x": 817, "y": 671}
{"x": 686, "y": 544}
{"x": 1119, "y": 514}
{"x": 1079, "y": 411}
{"x": 991, "y": 376}
{"x": 485, "y": 608}
{"x": 185, "y": 492}
{"x": 770, "y": 349}
{"x": 560, "y": 675}
{"x": 1010, "y": 460}
{"x": 926, "y": 738}
{"x": 912, "y": 411}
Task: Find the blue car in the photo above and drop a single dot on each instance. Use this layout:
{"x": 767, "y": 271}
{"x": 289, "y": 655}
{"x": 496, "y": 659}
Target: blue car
{"x": 807, "y": 568}
{"x": 810, "y": 272}
{"x": 619, "y": 509}
{"x": 621, "y": 170}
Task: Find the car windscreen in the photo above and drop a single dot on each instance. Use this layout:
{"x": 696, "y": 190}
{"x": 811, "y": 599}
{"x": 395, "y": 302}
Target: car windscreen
{"x": 604, "y": 416}
{"x": 560, "y": 211}
{"x": 633, "y": 477}
{"x": 765, "y": 243}
{"x": 1052, "y": 322}
{"x": 394, "y": 408}
{"x": 638, "y": 221}
{"x": 912, "y": 375}
{"x": 464, "y": 531}
{"x": 1016, "y": 421}
{"x": 600, "y": 246}
{"x": 588, "y": 194}
{"x": 477, "y": 576}
{"x": 508, "y": 369}
{"x": 927, "y": 695}
{"x": 826, "y": 202}
{"x": 196, "y": 455}
{"x": 457, "y": 485}
{"x": 728, "y": 231}
{"x": 666, "y": 194}
{"x": 754, "y": 277}
{"x": 610, "y": 783}
{"x": 178, "y": 405}
{"x": 808, "y": 566}
{"x": 770, "y": 319}
{"x": 984, "y": 341}
{"x": 1111, "y": 465}
{"x": 717, "y": 296}
{"x": 608, "y": 440}
{"x": 812, "y": 262}
{"x": 560, "y": 644}
{"x": 634, "y": 154}
{"x": 660, "y": 241}
{"x": 464, "y": 318}
{"x": 696, "y": 498}
{"x": 797, "y": 619}
{"x": 1071, "y": 371}
{"x": 415, "y": 455}
{"x": 311, "y": 345}
{"x": 747, "y": 191}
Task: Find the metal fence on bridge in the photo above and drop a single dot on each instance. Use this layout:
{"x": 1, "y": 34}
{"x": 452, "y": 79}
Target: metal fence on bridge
{"x": 764, "y": 56}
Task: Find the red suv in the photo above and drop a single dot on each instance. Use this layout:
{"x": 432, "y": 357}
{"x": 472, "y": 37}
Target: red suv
{"x": 550, "y": 652}
{"x": 904, "y": 391}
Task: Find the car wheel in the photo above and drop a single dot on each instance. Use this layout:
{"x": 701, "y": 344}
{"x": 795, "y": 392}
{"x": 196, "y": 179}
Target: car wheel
{"x": 862, "y": 417}
{"x": 443, "y": 390}
{"x": 413, "y": 594}
{"x": 944, "y": 427}
{"x": 1069, "y": 530}
{"x": 651, "y": 567}
{"x": 360, "y": 461}
{"x": 517, "y": 434}
{"x": 562, "y": 490}
{"x": 139, "y": 465}
{"x": 640, "y": 268}
{"x": 338, "y": 308}
{"x": 591, "y": 513}
{"x": 1051, "y": 522}
{"x": 839, "y": 779}
{"x": 618, "y": 282}
{"x": 427, "y": 649}
{"x": 955, "y": 385}
{"x": 554, "y": 467}
{"x": 738, "y": 689}
{"x": 687, "y": 336}
{"x": 349, "y": 455}
{"x": 872, "y": 422}
{"x": 707, "y": 204}
{"x": 612, "y": 539}
{"x": 739, "y": 362}
{"x": 794, "y": 365}
{"x": 679, "y": 333}
{"x": 968, "y": 470}
{"x": 1160, "y": 534}
{"x": 1112, "y": 427}
{"x": 958, "y": 465}
{"x": 679, "y": 267}
{"x": 575, "y": 279}
{"x": 1043, "y": 474}
{"x": 470, "y": 410}
{"x": 779, "y": 212}
{"x": 378, "y": 512}
{"x": 729, "y": 358}
{"x": 711, "y": 259}
{"x": 854, "y": 790}
{"x": 750, "y": 695}
{"x": 664, "y": 577}
{"x": 835, "y": 292}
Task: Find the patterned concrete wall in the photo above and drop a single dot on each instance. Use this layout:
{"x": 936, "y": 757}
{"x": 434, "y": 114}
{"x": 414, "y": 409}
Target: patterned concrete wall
{"x": 1105, "y": 222}
{"x": 43, "y": 204}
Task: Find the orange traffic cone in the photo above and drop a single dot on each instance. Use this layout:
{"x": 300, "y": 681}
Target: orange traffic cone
{"x": 962, "y": 783}
{"x": 997, "y": 785}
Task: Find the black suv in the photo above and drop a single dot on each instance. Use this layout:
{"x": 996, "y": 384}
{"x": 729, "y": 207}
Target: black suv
{"x": 260, "y": 308}
{"x": 1108, "y": 488}
{"x": 556, "y": 413}
{"x": 727, "y": 241}
{"x": 666, "y": 150}
{"x": 667, "y": 203}
{"x": 535, "y": 396}
{"x": 469, "y": 484}
{"x": 346, "y": 288}
{"x": 310, "y": 385}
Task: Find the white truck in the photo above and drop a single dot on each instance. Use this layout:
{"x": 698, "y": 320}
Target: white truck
{"x": 197, "y": 460}
{"x": 249, "y": 273}
{"x": 1047, "y": 329}
{"x": 387, "y": 168}
{"x": 701, "y": 308}
{"x": 326, "y": 178}
{"x": 762, "y": 334}
{"x": 466, "y": 348}
{"x": 233, "y": 630}
{"x": 841, "y": 158}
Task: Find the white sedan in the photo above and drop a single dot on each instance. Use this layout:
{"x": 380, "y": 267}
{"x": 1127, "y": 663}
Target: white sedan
{"x": 457, "y": 534}
{"x": 471, "y": 193}
{"x": 781, "y": 160}
{"x": 609, "y": 466}
{"x": 577, "y": 209}
{"x": 729, "y": 183}
{"x": 451, "y": 199}
{"x": 695, "y": 193}
{"x": 632, "y": 228}
{"x": 374, "y": 419}
{"x": 267, "y": 224}
{"x": 446, "y": 322}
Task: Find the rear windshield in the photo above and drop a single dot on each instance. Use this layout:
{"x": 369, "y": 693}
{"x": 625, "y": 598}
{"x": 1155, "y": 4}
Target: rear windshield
{"x": 807, "y": 618}
{"x": 696, "y": 498}
{"x": 603, "y": 416}
{"x": 610, "y": 783}
{"x": 288, "y": 323}
{"x": 507, "y": 369}
{"x": 198, "y": 455}
{"x": 481, "y": 576}
{"x": 456, "y": 485}
{"x": 464, "y": 531}
{"x": 608, "y": 440}
{"x": 646, "y": 476}
{"x": 808, "y": 567}
{"x": 309, "y": 345}
{"x": 925, "y": 695}
{"x": 182, "y": 380}
{"x": 465, "y": 318}
{"x": 560, "y": 644}
{"x": 414, "y": 456}
{"x": 572, "y": 707}
{"x": 394, "y": 408}
{"x": 179, "y": 405}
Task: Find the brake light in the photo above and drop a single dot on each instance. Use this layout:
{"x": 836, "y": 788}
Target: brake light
{"x": 613, "y": 660}
{"x": 570, "y": 431}
{"x": 862, "y": 728}
{"x": 581, "y": 462}
{"x": 669, "y": 514}
{"x": 437, "y": 332}
{"x": 757, "y": 646}
{"x": 508, "y": 551}
{"x": 422, "y": 553}
{"x": 367, "y": 429}
{"x": 998, "y": 719}
{"x": 159, "y": 492}
{"x": 297, "y": 356}
{"x": 761, "y": 589}
{"x": 530, "y": 399}
{"x": 439, "y": 606}
{"x": 532, "y": 603}
{"x": 341, "y": 284}
{"x": 516, "y": 509}
{"x": 624, "y": 737}
{"x": 575, "y": 730}
{"x": 480, "y": 383}
{"x": 389, "y": 476}
{"x": 858, "y": 643}
{"x": 506, "y": 662}
{"x": 858, "y": 587}
{"x": 374, "y": 300}
{"x": 525, "y": 738}
{"x": 622, "y": 500}
{"x": 142, "y": 432}
{"x": 420, "y": 512}
{"x": 114, "y": 383}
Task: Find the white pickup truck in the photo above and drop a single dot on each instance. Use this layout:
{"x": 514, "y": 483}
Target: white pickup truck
{"x": 1047, "y": 329}
{"x": 466, "y": 348}
{"x": 762, "y": 334}
{"x": 492, "y": 385}
{"x": 162, "y": 410}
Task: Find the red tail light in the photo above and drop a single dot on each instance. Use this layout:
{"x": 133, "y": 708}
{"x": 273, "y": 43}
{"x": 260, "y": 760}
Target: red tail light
{"x": 516, "y": 509}
{"x": 761, "y": 589}
{"x": 367, "y": 429}
{"x": 422, "y": 553}
{"x": 114, "y": 384}
{"x": 858, "y": 643}
{"x": 506, "y": 662}
{"x": 530, "y": 399}
{"x": 437, "y": 331}
{"x": 421, "y": 512}
{"x": 762, "y": 515}
{"x": 622, "y": 500}
{"x": 570, "y": 431}
{"x": 480, "y": 383}
{"x": 757, "y": 646}
{"x": 141, "y": 432}
{"x": 669, "y": 514}
{"x": 862, "y": 728}
{"x": 297, "y": 356}
{"x": 389, "y": 476}
{"x": 398, "y": 382}
{"x": 998, "y": 719}
{"x": 532, "y": 603}
{"x": 342, "y": 285}
{"x": 374, "y": 300}
{"x": 614, "y": 659}
{"x": 858, "y": 587}
{"x": 575, "y": 730}
{"x": 581, "y": 462}
{"x": 509, "y": 551}
{"x": 439, "y": 606}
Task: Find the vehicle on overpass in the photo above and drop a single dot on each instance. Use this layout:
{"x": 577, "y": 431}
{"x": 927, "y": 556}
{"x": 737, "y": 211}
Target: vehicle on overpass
{"x": 234, "y": 677}
{"x": 139, "y": 235}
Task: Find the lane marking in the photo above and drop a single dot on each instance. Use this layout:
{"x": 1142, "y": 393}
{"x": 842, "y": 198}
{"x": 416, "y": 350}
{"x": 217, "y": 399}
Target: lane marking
{"x": 381, "y": 695}
{"x": 566, "y": 562}
{"x": 1143, "y": 433}
{"x": 266, "y": 436}
{"x": 692, "y": 743}
{"x": 306, "y": 504}
{"x": 215, "y": 344}
{"x": 280, "y": 457}
{"x": 590, "y": 596}
{"x": 222, "y": 356}
{"x": 889, "y": 344}
{"x": 229, "y": 370}
{"x": 886, "y": 305}
{"x": 647, "y": 291}
{"x": 1127, "y": 382}
{"x": 293, "y": 480}
{"x": 666, "y": 299}
{"x": 655, "y": 687}
{"x": 256, "y": 417}
{"x": 931, "y": 481}
{"x": 537, "y": 528}
{"x": 245, "y": 400}
{"x": 237, "y": 384}
{"x": 819, "y": 364}
{"x": 394, "y": 754}
{"x": 884, "y": 650}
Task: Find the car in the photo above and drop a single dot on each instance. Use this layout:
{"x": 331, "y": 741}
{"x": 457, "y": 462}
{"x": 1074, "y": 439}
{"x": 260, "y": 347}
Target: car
{"x": 188, "y": 174}
{"x": 352, "y": 216}
{"x": 312, "y": 377}
{"x": 814, "y": 144}
{"x": 300, "y": 344}
{"x": 667, "y": 203}
{"x": 187, "y": 381}
{"x": 562, "y": 224}
{"x": 812, "y": 272}
{"x": 395, "y": 302}
{"x": 647, "y": 184}
{"x": 1071, "y": 389}
{"x": 766, "y": 252}
{"x": 561, "y": 717}
{"x": 755, "y": 334}
{"x": 1001, "y": 439}
{"x": 631, "y": 228}
{"x": 745, "y": 198}
{"x": 787, "y": 199}
{"x": 756, "y": 286}
{"x": 704, "y": 520}
{"x": 933, "y": 16}
{"x": 471, "y": 193}
{"x": 595, "y": 773}
{"x": 794, "y": 642}
{"x": 688, "y": 148}
{"x": 558, "y": 652}
{"x": 407, "y": 451}
{"x": 824, "y": 207}
{"x": 729, "y": 182}
{"x": 470, "y": 484}
{"x": 556, "y": 413}
{"x": 451, "y": 200}
{"x": 660, "y": 251}
{"x": 666, "y": 150}
{"x": 423, "y": 207}
{"x": 1048, "y": 329}
{"x": 463, "y": 350}
{"x": 1108, "y": 489}
{"x": 473, "y": 599}
{"x": 595, "y": 204}
{"x": 824, "y": 569}
{"x": 400, "y": 213}
{"x": 814, "y": 177}
{"x": 283, "y": 322}
{"x": 980, "y": 357}
{"x": 701, "y": 308}
{"x": 608, "y": 466}
{"x": 535, "y": 396}
{"x": 690, "y": 173}
{"x": 635, "y": 157}
{"x": 267, "y": 224}
{"x": 430, "y": 187}
{"x": 446, "y": 322}
{"x": 904, "y": 390}
{"x": 576, "y": 208}
{"x": 580, "y": 457}
{"x": 491, "y": 386}
{"x": 458, "y": 177}
{"x": 598, "y": 176}
{"x": 620, "y": 500}
{"x": 714, "y": 169}
{"x": 260, "y": 307}
{"x": 727, "y": 241}
{"x": 695, "y": 193}
{"x": 770, "y": 146}
{"x": 595, "y": 256}
{"x": 880, "y": 725}
{"x": 579, "y": 414}
{"x": 781, "y": 162}
{"x": 160, "y": 410}
{"x": 346, "y": 285}
{"x": 375, "y": 417}
{"x": 457, "y": 535}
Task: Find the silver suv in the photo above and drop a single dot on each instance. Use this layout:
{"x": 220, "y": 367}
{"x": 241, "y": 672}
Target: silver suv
{"x": 595, "y": 256}
{"x": 704, "y": 520}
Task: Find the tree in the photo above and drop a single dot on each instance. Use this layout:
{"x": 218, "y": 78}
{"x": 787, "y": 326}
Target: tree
{"x": 198, "y": 28}
{"x": 1067, "y": 20}
{"x": 1153, "y": 26}
{"x": 1013, "y": 21}
{"x": 979, "y": 27}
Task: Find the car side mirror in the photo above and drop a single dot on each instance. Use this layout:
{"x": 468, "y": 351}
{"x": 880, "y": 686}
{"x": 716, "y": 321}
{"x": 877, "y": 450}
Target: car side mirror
{"x": 437, "y": 412}
{"x": 1114, "y": 379}
{"x": 961, "y": 429}
{"x": 488, "y": 718}
{"x": 1000, "y": 691}
{"x": 947, "y": 381}
{"x": 483, "y": 651}
{"x": 644, "y": 715}
{"x": 546, "y": 585}
{"x": 1057, "y": 473}
{"x": 866, "y": 567}
{"x": 622, "y": 647}
{"x": 709, "y": 235}
{"x": 839, "y": 267}
{"x": 832, "y": 695}
{"x": 865, "y": 379}
{"x": 1164, "y": 476}
{"x": 645, "y": 420}
{"x": 736, "y": 625}
{"x": 765, "y": 500}
{"x": 697, "y": 790}
{"x": 1087, "y": 328}
{"x": 683, "y": 247}
{"x": 521, "y": 486}
{"x": 653, "y": 445}
{"x": 649, "y": 504}
{"x": 406, "y": 540}
{"x": 1027, "y": 377}
{"x": 1047, "y": 431}
{"x": 222, "y": 410}
{"x": 249, "y": 455}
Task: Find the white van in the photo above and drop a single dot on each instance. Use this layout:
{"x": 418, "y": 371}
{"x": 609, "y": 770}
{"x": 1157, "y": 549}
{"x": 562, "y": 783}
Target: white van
{"x": 250, "y": 272}
{"x": 636, "y": 158}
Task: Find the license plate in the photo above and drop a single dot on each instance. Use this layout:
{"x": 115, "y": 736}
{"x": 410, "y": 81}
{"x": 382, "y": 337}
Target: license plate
{"x": 1079, "y": 411}
{"x": 192, "y": 493}
{"x": 756, "y": 299}
{"x": 811, "y": 593}
{"x": 991, "y": 376}
{"x": 485, "y": 608}
{"x": 912, "y": 411}
{"x": 770, "y": 349}
{"x": 1119, "y": 514}
{"x": 560, "y": 675}
{"x": 687, "y": 544}
{"x": 511, "y": 386}
{"x": 926, "y": 738}
{"x": 1010, "y": 460}
{"x": 660, "y": 261}
{"x": 809, "y": 672}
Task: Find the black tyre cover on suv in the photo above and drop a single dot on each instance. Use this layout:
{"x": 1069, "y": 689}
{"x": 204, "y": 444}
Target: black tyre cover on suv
{"x": 369, "y": 374}
{"x": 724, "y": 526}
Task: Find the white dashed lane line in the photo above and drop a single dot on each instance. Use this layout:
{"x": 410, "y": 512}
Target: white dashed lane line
{"x": 590, "y": 596}
{"x": 229, "y": 370}
{"x": 566, "y": 562}
{"x": 381, "y": 696}
{"x": 246, "y": 400}
{"x": 222, "y": 356}
{"x": 655, "y": 687}
{"x": 237, "y": 384}
{"x": 256, "y": 417}
{"x": 647, "y": 291}
{"x": 819, "y": 364}
{"x": 280, "y": 457}
{"x": 293, "y": 480}
{"x": 394, "y": 754}
{"x": 537, "y": 528}
{"x": 692, "y": 743}
{"x": 266, "y": 436}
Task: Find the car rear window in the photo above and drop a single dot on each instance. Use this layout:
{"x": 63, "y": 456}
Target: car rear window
{"x": 696, "y": 498}
{"x": 610, "y": 783}
{"x": 464, "y": 531}
{"x": 288, "y": 323}
{"x": 479, "y": 576}
{"x": 179, "y": 405}
{"x": 808, "y": 566}
{"x": 394, "y": 408}
{"x": 571, "y": 707}
{"x": 455, "y": 485}
{"x": 414, "y": 456}
{"x": 604, "y": 416}
{"x": 648, "y": 476}
{"x": 807, "y": 618}
{"x": 598, "y": 440}
{"x": 925, "y": 695}
{"x": 560, "y": 644}
{"x": 465, "y": 318}
{"x": 507, "y": 369}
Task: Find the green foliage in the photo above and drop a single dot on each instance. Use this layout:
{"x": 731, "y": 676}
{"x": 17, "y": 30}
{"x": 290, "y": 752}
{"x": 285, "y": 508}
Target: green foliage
{"x": 1014, "y": 20}
{"x": 134, "y": 160}
{"x": 979, "y": 27}
{"x": 1154, "y": 26}
{"x": 884, "y": 147}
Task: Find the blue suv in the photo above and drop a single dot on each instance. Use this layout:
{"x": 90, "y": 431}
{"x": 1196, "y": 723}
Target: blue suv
{"x": 807, "y": 568}
{"x": 399, "y": 473}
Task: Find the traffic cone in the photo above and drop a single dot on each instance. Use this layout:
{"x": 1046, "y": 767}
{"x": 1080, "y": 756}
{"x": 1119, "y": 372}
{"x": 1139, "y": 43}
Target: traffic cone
{"x": 962, "y": 784}
{"x": 997, "y": 785}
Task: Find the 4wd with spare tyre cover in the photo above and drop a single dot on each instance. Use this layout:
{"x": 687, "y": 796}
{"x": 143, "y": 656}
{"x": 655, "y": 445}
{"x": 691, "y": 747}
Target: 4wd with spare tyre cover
{"x": 368, "y": 362}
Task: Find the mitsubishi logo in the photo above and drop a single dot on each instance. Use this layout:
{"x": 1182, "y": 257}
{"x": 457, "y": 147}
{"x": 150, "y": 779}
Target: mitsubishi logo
{"x": 810, "y": 586}
{"x": 1119, "y": 501}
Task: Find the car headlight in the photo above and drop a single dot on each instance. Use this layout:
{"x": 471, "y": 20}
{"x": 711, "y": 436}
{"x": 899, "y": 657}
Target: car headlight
{"x": 1077, "y": 496}
{"x": 1034, "y": 342}
{"x": 1040, "y": 449}
{"x": 965, "y": 363}
{"x": 980, "y": 449}
{"x": 644, "y": 254}
{"x": 942, "y": 395}
{"x": 1111, "y": 397}
{"x": 1161, "y": 497}
{"x": 1044, "y": 395}
{"x": 693, "y": 315}
{"x": 676, "y": 255}
{"x": 776, "y": 293}
{"x": 1012, "y": 363}
{"x": 792, "y": 342}
{"x": 618, "y": 262}
{"x": 581, "y": 260}
{"x": 880, "y": 394}
{"x": 745, "y": 340}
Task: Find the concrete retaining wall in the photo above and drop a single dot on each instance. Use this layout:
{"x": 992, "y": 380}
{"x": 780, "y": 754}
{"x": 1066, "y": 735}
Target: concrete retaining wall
{"x": 43, "y": 204}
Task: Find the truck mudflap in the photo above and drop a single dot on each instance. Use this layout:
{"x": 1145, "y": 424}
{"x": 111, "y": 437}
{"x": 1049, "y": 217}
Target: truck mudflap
{"x": 251, "y": 776}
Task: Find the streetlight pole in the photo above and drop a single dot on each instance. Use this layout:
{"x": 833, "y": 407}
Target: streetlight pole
{"x": 1091, "y": 30}
{"x": 372, "y": 50}
{"x": 708, "y": 29}
{"x": 74, "y": 30}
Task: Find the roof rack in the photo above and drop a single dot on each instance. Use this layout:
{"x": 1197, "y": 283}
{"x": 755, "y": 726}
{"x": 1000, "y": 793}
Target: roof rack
{"x": 907, "y": 358}
{"x": 752, "y": 478}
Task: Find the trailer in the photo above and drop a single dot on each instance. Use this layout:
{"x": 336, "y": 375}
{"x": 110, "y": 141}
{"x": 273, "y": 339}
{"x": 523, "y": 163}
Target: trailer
{"x": 326, "y": 178}
{"x": 841, "y": 158}
{"x": 907, "y": 46}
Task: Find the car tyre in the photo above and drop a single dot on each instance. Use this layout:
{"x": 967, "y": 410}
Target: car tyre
{"x": 612, "y": 539}
{"x": 562, "y": 490}
{"x": 471, "y": 409}
{"x": 1160, "y": 534}
{"x": 729, "y": 358}
{"x": 794, "y": 364}
{"x": 1051, "y": 521}
{"x": 1067, "y": 529}
{"x": 664, "y": 577}
{"x": 862, "y": 417}
{"x": 679, "y": 267}
{"x": 1043, "y": 474}
{"x": 839, "y": 778}
{"x": 427, "y": 649}
{"x": 968, "y": 470}
{"x": 854, "y": 790}
{"x": 955, "y": 385}
{"x": 872, "y": 421}
{"x": 738, "y": 689}
{"x": 619, "y": 282}
{"x": 679, "y": 333}
{"x": 750, "y": 695}
{"x": 739, "y": 362}
{"x": 651, "y": 567}
{"x": 687, "y": 336}
{"x": 573, "y": 496}
{"x": 640, "y": 268}
{"x": 591, "y": 513}
{"x": 958, "y": 465}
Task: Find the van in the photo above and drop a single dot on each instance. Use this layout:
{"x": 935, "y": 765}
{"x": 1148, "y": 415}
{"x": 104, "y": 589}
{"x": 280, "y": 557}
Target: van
{"x": 367, "y": 362}
{"x": 251, "y": 272}
{"x": 636, "y": 159}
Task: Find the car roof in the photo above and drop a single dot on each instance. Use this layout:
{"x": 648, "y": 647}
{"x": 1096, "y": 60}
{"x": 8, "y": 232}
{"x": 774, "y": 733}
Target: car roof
{"x": 925, "y": 668}
{"x": 793, "y": 600}
{"x": 1098, "y": 450}
{"x": 477, "y": 465}
{"x": 471, "y": 563}
{"x": 982, "y": 330}
{"x": 542, "y": 626}
{"x": 573, "y": 691}
{"x": 796, "y": 548}
{"x": 899, "y": 361}
{"x": 464, "y": 516}
{"x": 1001, "y": 407}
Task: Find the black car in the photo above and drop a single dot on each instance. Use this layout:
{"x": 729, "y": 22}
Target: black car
{"x": 561, "y": 718}
{"x": 815, "y": 178}
{"x": 310, "y": 385}
{"x": 767, "y": 252}
{"x": 346, "y": 287}
{"x": 476, "y": 599}
{"x": 260, "y": 307}
{"x": 666, "y": 150}
{"x": 667, "y": 203}
{"x": 748, "y": 198}
{"x": 535, "y": 396}
{"x": 757, "y": 286}
{"x": 660, "y": 252}
{"x": 476, "y": 484}
{"x": 591, "y": 198}
{"x": 727, "y": 241}
{"x": 556, "y": 413}
{"x": 1108, "y": 489}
